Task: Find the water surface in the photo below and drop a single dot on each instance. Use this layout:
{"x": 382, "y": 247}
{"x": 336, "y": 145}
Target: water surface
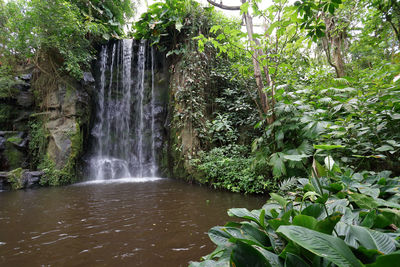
{"x": 144, "y": 223}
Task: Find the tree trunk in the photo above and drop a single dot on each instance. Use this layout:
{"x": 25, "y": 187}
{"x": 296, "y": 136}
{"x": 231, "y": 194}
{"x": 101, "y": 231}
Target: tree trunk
{"x": 257, "y": 69}
{"x": 256, "y": 54}
{"x": 337, "y": 56}
{"x": 332, "y": 44}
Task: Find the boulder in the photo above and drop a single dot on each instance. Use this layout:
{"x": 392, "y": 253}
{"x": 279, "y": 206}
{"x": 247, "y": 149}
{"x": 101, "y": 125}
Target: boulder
{"x": 88, "y": 78}
{"x": 59, "y": 147}
{"x": 4, "y": 184}
{"x": 31, "y": 179}
{"x": 25, "y": 99}
{"x": 20, "y": 179}
{"x": 13, "y": 150}
{"x": 2, "y": 143}
{"x": 26, "y": 77}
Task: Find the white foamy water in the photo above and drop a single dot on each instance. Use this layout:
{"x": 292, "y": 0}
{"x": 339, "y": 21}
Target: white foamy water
{"x": 126, "y": 132}
{"x": 122, "y": 180}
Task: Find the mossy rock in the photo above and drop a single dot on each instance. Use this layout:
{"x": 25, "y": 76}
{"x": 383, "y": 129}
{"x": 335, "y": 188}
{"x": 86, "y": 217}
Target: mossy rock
{"x": 14, "y": 156}
{"x": 8, "y": 113}
{"x": 66, "y": 173}
{"x": 15, "y": 140}
{"x": 15, "y": 178}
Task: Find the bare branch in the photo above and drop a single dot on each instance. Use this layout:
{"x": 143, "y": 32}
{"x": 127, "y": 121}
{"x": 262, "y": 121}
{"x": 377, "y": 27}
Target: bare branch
{"x": 223, "y": 6}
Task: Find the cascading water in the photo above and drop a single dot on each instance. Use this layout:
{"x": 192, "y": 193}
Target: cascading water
{"x": 126, "y": 134}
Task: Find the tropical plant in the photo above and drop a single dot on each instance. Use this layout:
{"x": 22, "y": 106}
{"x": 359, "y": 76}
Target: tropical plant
{"x": 342, "y": 219}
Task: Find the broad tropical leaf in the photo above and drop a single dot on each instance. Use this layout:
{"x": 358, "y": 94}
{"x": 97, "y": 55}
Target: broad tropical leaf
{"x": 218, "y": 236}
{"x": 246, "y": 214}
{"x": 372, "y": 239}
{"x": 386, "y": 261}
{"x": 293, "y": 260}
{"x": 323, "y": 245}
{"x": 246, "y": 255}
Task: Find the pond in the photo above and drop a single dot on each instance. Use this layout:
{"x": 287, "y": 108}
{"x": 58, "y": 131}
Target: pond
{"x": 135, "y": 222}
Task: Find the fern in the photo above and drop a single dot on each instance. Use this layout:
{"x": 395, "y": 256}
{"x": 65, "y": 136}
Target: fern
{"x": 288, "y": 184}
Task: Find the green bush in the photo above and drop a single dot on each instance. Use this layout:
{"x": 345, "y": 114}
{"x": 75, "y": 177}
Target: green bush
{"x": 230, "y": 168}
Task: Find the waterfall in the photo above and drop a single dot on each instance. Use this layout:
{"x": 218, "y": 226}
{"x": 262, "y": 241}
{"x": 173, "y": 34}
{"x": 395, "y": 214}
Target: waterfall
{"x": 125, "y": 132}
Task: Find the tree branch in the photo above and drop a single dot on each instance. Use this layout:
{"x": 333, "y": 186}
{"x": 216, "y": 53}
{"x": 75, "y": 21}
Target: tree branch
{"x": 223, "y": 6}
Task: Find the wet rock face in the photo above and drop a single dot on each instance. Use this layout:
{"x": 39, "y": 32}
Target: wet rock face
{"x": 31, "y": 179}
{"x": 24, "y": 179}
{"x": 13, "y": 150}
{"x": 68, "y": 112}
{"x": 15, "y": 111}
{"x": 4, "y": 184}
{"x": 64, "y": 112}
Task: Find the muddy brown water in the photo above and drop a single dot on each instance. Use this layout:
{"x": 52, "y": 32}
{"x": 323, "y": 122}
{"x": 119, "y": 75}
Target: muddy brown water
{"x": 153, "y": 223}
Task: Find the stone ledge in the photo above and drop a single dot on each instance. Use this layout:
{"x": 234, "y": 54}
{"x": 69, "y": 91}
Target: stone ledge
{"x": 28, "y": 179}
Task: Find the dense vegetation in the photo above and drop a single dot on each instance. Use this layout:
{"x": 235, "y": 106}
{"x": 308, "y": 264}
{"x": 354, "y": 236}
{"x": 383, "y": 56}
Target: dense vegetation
{"x": 330, "y": 76}
{"x": 68, "y": 29}
{"x": 315, "y": 93}
{"x": 307, "y": 105}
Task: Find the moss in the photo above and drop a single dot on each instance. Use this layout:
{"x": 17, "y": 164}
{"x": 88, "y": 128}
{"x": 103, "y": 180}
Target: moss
{"x": 68, "y": 174}
{"x": 15, "y": 139}
{"x": 8, "y": 114}
{"x": 15, "y": 178}
{"x": 38, "y": 142}
{"x": 13, "y": 155}
{"x": 51, "y": 174}
{"x": 69, "y": 91}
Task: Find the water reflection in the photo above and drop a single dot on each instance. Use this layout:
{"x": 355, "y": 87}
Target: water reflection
{"x": 158, "y": 223}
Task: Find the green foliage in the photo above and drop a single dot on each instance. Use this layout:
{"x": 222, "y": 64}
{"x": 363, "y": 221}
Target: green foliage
{"x": 165, "y": 21}
{"x": 221, "y": 130}
{"x": 37, "y": 142}
{"x": 31, "y": 29}
{"x": 107, "y": 18}
{"x": 15, "y": 178}
{"x": 7, "y": 83}
{"x": 230, "y": 167}
{"x": 315, "y": 225}
{"x": 51, "y": 176}
{"x": 361, "y": 117}
{"x": 311, "y": 15}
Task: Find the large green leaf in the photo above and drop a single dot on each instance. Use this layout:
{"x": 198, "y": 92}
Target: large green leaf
{"x": 282, "y": 201}
{"x": 323, "y": 245}
{"x": 246, "y": 214}
{"x": 386, "y": 261}
{"x": 293, "y": 260}
{"x": 305, "y": 221}
{"x": 278, "y": 164}
{"x": 364, "y": 202}
{"x": 386, "y": 203}
{"x": 240, "y": 234}
{"x": 256, "y": 233}
{"x": 245, "y": 255}
{"x": 218, "y": 236}
{"x": 272, "y": 258}
{"x": 369, "y": 191}
{"x": 327, "y": 225}
{"x": 372, "y": 239}
{"x": 296, "y": 157}
{"x": 314, "y": 210}
{"x": 327, "y": 147}
{"x": 209, "y": 263}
